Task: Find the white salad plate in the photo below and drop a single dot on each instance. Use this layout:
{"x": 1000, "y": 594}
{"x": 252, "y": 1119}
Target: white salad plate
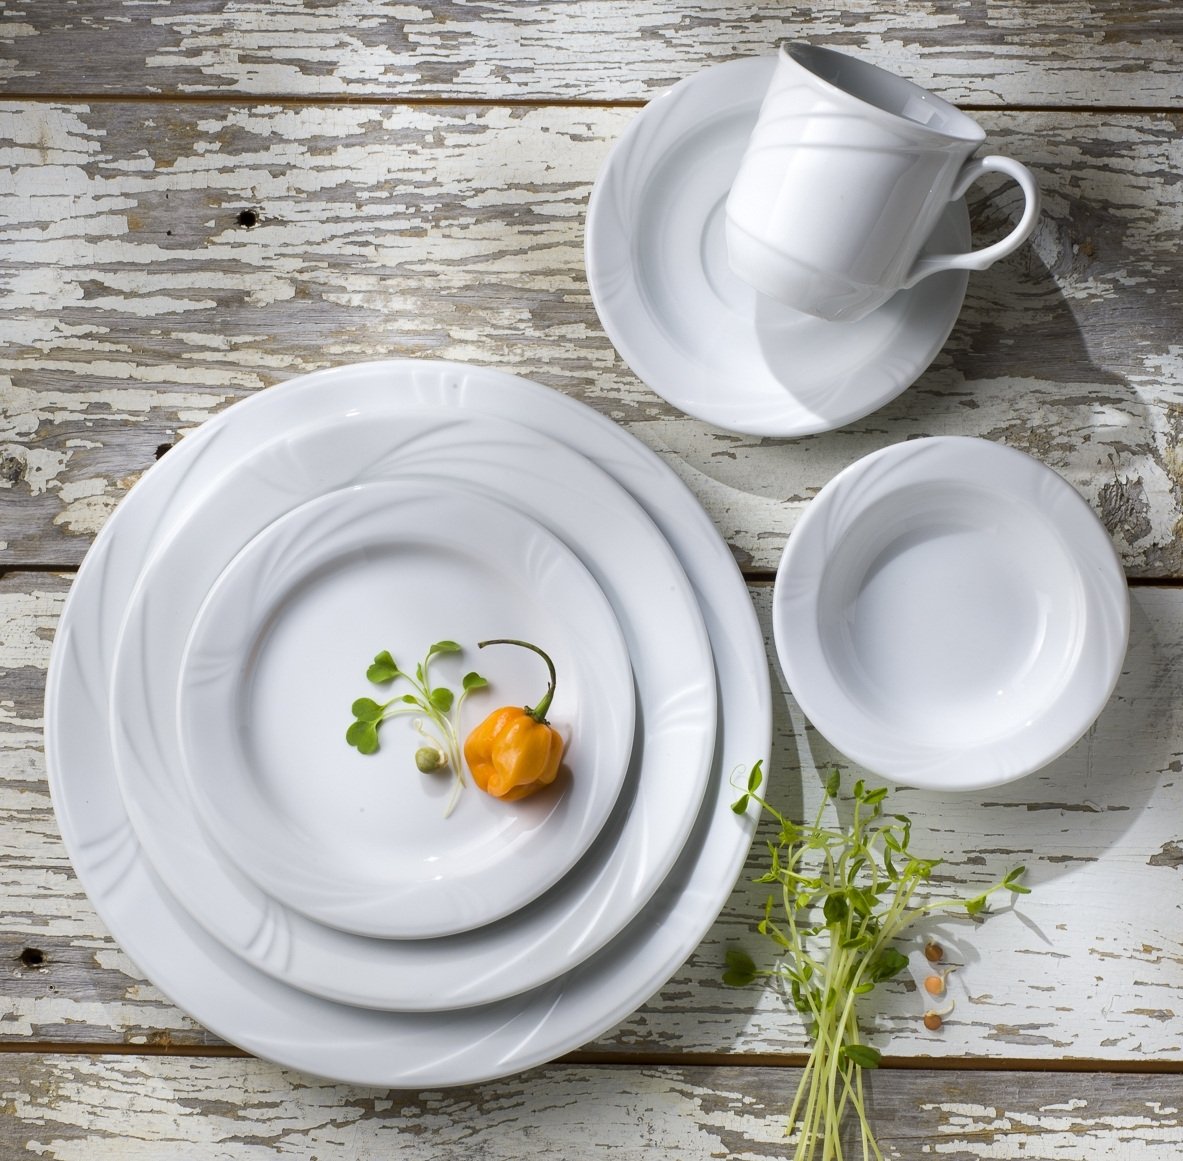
{"x": 633, "y": 565}
{"x": 293, "y": 1028}
{"x": 278, "y": 653}
{"x": 950, "y": 613}
{"x": 690, "y": 328}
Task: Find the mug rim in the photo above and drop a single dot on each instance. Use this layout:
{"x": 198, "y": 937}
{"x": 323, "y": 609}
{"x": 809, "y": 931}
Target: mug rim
{"x": 801, "y": 52}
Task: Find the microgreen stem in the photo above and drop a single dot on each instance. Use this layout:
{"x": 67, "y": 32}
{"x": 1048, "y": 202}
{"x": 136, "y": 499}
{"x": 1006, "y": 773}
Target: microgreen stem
{"x": 438, "y": 704}
{"x": 844, "y": 894}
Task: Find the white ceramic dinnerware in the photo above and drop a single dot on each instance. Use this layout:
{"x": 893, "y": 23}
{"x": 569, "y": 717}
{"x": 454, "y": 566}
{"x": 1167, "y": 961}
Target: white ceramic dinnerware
{"x": 689, "y": 327}
{"x": 950, "y": 613}
{"x": 277, "y": 655}
{"x": 236, "y": 1001}
{"x": 847, "y": 172}
{"x": 370, "y": 438}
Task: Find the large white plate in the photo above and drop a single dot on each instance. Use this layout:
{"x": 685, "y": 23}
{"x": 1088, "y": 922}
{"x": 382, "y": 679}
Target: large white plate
{"x": 277, "y": 656}
{"x": 675, "y": 715}
{"x": 291, "y": 1027}
{"x": 950, "y": 613}
{"x": 697, "y": 335}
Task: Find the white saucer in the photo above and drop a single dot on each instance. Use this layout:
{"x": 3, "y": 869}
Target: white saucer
{"x": 278, "y": 653}
{"x": 698, "y": 336}
{"x": 950, "y": 613}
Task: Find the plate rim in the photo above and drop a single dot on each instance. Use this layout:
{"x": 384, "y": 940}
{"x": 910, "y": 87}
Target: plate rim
{"x": 444, "y": 904}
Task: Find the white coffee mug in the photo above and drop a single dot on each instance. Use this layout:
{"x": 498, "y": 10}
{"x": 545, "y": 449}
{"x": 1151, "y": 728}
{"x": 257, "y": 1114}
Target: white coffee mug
{"x": 844, "y": 178}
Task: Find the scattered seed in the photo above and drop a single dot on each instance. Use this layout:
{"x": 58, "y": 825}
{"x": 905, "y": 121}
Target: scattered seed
{"x": 934, "y": 953}
{"x": 935, "y": 985}
{"x": 932, "y": 1021}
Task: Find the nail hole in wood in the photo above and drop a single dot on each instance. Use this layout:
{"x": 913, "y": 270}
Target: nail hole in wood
{"x": 11, "y": 468}
{"x": 32, "y": 957}
{"x": 248, "y": 218}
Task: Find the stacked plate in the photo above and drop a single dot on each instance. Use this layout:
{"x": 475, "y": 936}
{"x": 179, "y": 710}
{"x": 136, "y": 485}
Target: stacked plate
{"x": 325, "y": 908}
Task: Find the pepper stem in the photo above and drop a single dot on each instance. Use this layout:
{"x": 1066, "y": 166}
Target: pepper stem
{"x": 538, "y": 713}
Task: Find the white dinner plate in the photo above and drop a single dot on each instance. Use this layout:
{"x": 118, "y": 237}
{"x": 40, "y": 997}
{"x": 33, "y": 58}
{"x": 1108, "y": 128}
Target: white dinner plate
{"x": 214, "y": 985}
{"x": 278, "y": 654}
{"x": 691, "y": 330}
{"x": 657, "y": 612}
{"x": 950, "y": 613}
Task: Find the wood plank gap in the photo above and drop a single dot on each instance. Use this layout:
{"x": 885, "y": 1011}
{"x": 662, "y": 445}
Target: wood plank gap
{"x": 635, "y": 1060}
{"x": 894, "y": 1063}
{"x": 1099, "y": 110}
{"x": 762, "y": 576}
{"x": 1155, "y": 582}
{"x": 346, "y": 100}
{"x": 37, "y": 566}
{"x": 79, "y": 1048}
{"x": 343, "y": 100}
{"x": 754, "y": 576}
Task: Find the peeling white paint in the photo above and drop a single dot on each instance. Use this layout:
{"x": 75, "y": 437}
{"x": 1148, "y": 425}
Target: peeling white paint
{"x": 1046, "y": 978}
{"x": 27, "y": 622}
{"x": 374, "y": 229}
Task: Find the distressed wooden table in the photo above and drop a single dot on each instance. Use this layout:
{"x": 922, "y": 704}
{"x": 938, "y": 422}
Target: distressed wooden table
{"x": 200, "y": 200}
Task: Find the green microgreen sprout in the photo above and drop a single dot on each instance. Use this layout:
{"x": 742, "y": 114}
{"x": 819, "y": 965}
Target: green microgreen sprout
{"x": 439, "y": 704}
{"x": 842, "y": 895}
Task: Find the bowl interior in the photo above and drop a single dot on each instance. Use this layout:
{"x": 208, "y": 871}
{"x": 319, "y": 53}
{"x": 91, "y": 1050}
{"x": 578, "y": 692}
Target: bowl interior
{"x": 951, "y": 616}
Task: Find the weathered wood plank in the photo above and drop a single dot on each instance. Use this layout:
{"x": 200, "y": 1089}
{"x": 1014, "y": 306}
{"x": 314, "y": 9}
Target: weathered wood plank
{"x": 1087, "y": 967}
{"x": 135, "y": 305}
{"x": 1119, "y": 52}
{"x": 92, "y": 1108}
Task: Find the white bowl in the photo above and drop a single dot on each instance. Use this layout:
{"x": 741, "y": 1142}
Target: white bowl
{"x": 950, "y": 613}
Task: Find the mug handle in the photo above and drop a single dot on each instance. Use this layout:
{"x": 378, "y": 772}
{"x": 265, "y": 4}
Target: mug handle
{"x": 988, "y": 255}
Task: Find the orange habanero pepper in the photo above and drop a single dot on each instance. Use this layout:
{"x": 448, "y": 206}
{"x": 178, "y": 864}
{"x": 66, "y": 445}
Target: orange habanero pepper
{"x": 515, "y": 751}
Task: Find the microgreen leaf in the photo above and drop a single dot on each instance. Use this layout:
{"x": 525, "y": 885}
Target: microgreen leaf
{"x": 442, "y": 647}
{"x": 976, "y": 905}
{"x": 862, "y": 1054}
{"x": 442, "y": 699}
{"x": 473, "y": 681}
{"x": 383, "y": 669}
{"x": 1011, "y": 881}
{"x": 740, "y": 968}
{"x": 365, "y": 709}
{"x": 363, "y": 735}
{"x": 887, "y": 962}
{"x": 833, "y": 784}
{"x": 740, "y": 805}
{"x": 756, "y": 777}
{"x": 835, "y": 909}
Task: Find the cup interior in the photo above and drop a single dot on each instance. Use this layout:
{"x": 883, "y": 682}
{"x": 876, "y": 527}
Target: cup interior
{"x": 890, "y": 94}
